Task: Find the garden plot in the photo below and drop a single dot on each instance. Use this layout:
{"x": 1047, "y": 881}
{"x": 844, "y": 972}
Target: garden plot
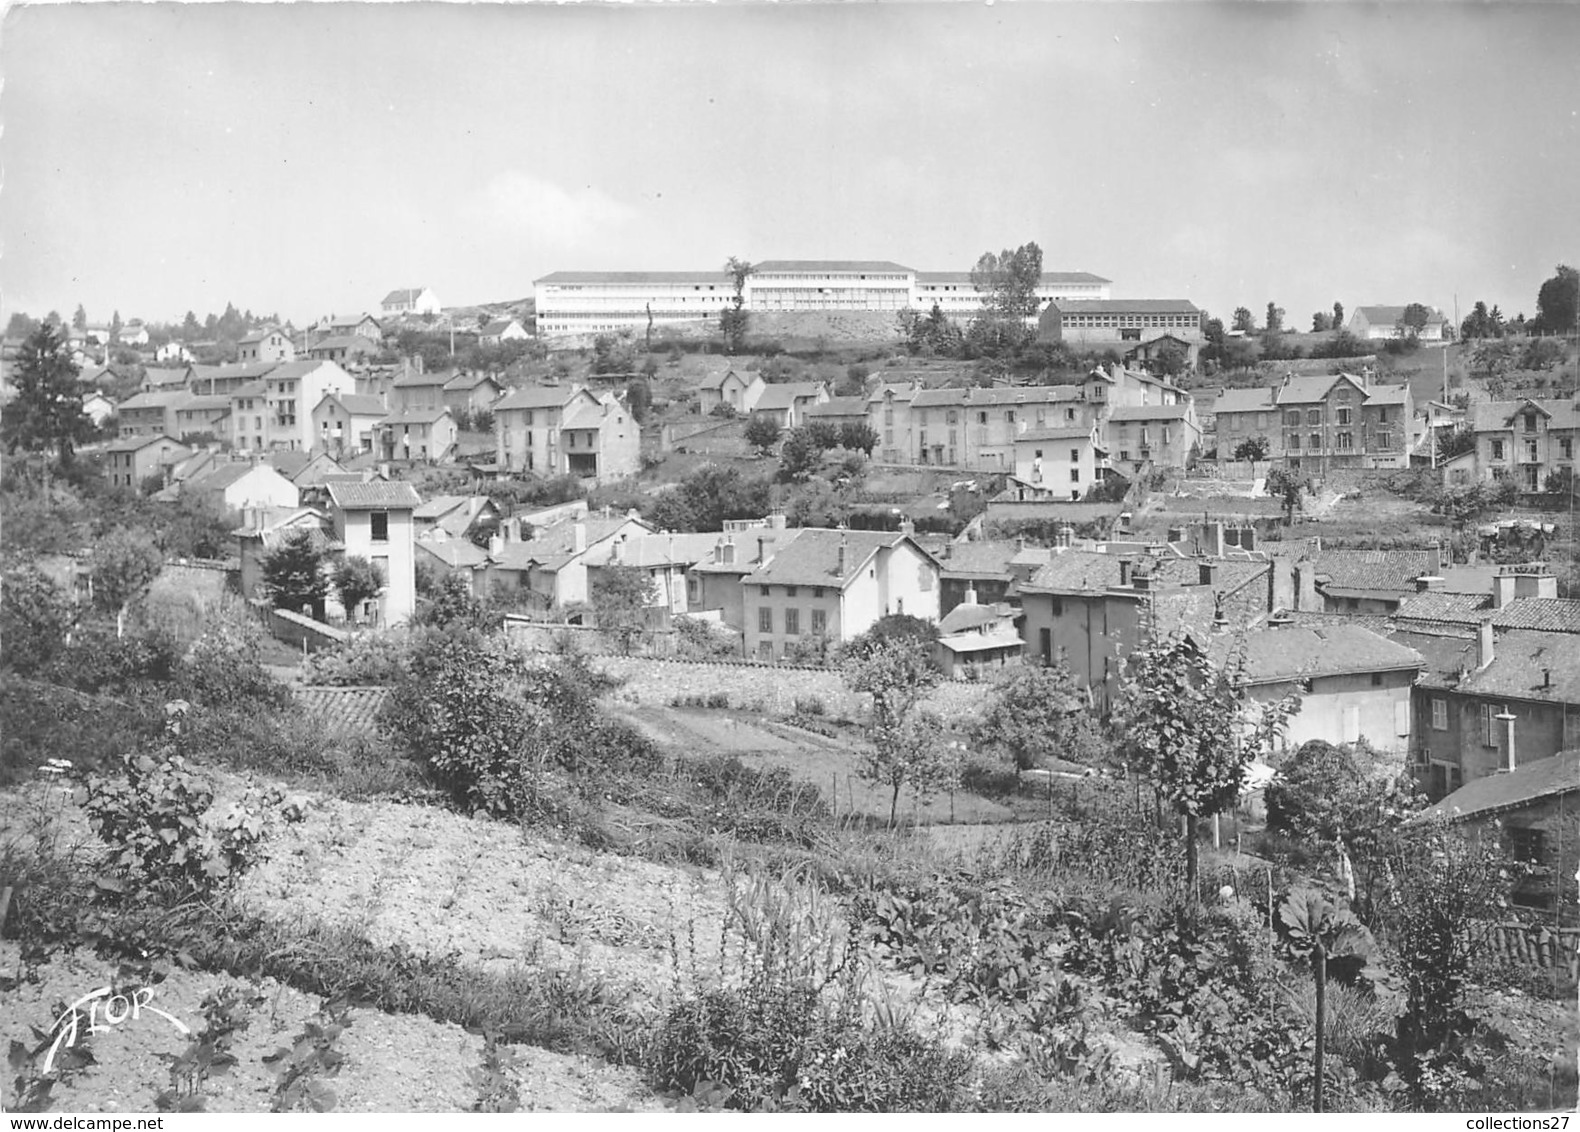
{"x": 392, "y": 1062}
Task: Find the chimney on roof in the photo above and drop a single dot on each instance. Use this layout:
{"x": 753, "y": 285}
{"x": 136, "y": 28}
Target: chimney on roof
{"x": 1175, "y": 534}
{"x": 1503, "y": 586}
{"x": 971, "y": 596}
{"x": 762, "y": 550}
{"x": 617, "y": 552}
{"x": 1437, "y": 560}
{"x": 1066, "y": 536}
{"x": 496, "y": 544}
{"x": 727, "y": 551}
{"x": 907, "y": 527}
{"x": 1248, "y": 538}
{"x": 1124, "y": 573}
{"x": 844, "y": 556}
{"x": 1212, "y": 536}
{"x": 1280, "y": 619}
{"x": 578, "y": 537}
{"x": 1428, "y": 583}
{"x": 1484, "y": 644}
{"x": 1209, "y": 573}
{"x": 776, "y": 520}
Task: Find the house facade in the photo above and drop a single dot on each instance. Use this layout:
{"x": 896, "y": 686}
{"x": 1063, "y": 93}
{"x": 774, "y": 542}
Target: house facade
{"x": 411, "y": 300}
{"x": 267, "y": 345}
{"x": 131, "y": 460}
{"x": 834, "y": 584}
{"x": 1332, "y": 420}
{"x": 238, "y": 486}
{"x": 345, "y": 424}
{"x": 470, "y": 392}
{"x": 1120, "y": 324}
{"x": 291, "y": 391}
{"x": 1378, "y": 322}
{"x": 1526, "y": 441}
{"x": 1060, "y": 459}
{"x": 786, "y": 403}
{"x": 566, "y": 430}
{"x": 373, "y": 520}
{"x": 422, "y": 435}
{"x": 738, "y": 391}
{"x": 501, "y": 330}
{"x": 152, "y": 414}
{"x": 1164, "y": 436}
{"x": 418, "y": 390}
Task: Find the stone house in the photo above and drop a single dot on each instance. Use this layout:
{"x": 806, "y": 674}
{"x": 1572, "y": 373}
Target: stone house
{"x": 786, "y": 403}
{"x": 130, "y": 460}
{"x": 424, "y": 435}
{"x": 732, "y": 389}
{"x": 346, "y": 424}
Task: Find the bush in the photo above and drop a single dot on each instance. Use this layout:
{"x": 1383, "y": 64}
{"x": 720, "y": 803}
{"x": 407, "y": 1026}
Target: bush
{"x": 41, "y": 721}
{"x": 367, "y": 659}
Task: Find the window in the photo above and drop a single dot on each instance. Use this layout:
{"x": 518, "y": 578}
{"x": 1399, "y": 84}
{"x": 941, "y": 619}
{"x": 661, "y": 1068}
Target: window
{"x": 789, "y": 591}
{"x": 380, "y": 521}
{"x": 1315, "y": 440}
{"x": 1075, "y": 455}
{"x": 1346, "y": 441}
{"x": 1261, "y": 421}
{"x": 1527, "y": 845}
{"x": 819, "y": 622}
{"x": 1234, "y": 424}
{"x": 952, "y": 417}
{"x": 1292, "y": 418}
{"x": 792, "y": 622}
{"x": 1313, "y": 416}
{"x": 817, "y": 591}
{"x": 1294, "y": 441}
{"x": 765, "y": 620}
{"x": 1382, "y": 415}
{"x": 1489, "y": 724}
{"x": 1497, "y": 449}
{"x": 1009, "y": 416}
{"x": 1530, "y": 422}
{"x": 1344, "y": 416}
{"x": 981, "y": 418}
{"x": 1530, "y": 451}
{"x": 1566, "y": 448}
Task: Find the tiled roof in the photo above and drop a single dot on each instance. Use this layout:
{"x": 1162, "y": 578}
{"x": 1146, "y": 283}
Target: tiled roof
{"x": 1445, "y": 651}
{"x": 1522, "y": 660}
{"x": 422, "y": 380}
{"x": 415, "y": 416}
{"x": 1390, "y": 316}
{"x": 1499, "y": 416}
{"x": 1289, "y": 652}
{"x": 439, "y": 505}
{"x": 250, "y": 389}
{"x": 717, "y": 380}
{"x": 554, "y": 546}
{"x": 899, "y": 390}
{"x": 1005, "y": 638}
{"x": 1229, "y": 574}
{"x": 138, "y": 443}
{"x": 405, "y": 295}
{"x": 456, "y": 553}
{"x": 1447, "y": 608}
{"x": 1149, "y": 413}
{"x": 659, "y": 550}
{"x": 343, "y": 709}
{"x": 289, "y": 462}
{"x": 469, "y": 381}
{"x": 247, "y": 371}
{"x": 1125, "y": 306}
{"x": 1387, "y": 394}
{"x": 1372, "y": 570}
{"x": 1550, "y": 614}
{"x": 1077, "y": 571}
{"x": 218, "y": 479}
{"x": 299, "y": 369}
{"x": 1035, "y": 434}
{"x": 1322, "y": 619}
{"x": 357, "y": 342}
{"x": 1259, "y": 400}
{"x": 840, "y": 407}
{"x": 1559, "y": 774}
{"x": 374, "y": 495}
{"x": 160, "y": 399}
{"x": 497, "y": 326}
{"x": 785, "y": 394}
{"x": 1073, "y": 512}
{"x": 963, "y": 617}
{"x": 538, "y": 397}
{"x": 256, "y": 335}
{"x": 811, "y": 557}
{"x": 982, "y": 559}
{"x": 822, "y": 266}
{"x": 979, "y": 397}
{"x": 1309, "y": 388}
{"x": 206, "y": 403}
{"x": 359, "y": 404}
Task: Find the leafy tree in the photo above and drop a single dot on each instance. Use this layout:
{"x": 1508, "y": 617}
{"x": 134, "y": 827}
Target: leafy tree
{"x": 1322, "y": 931}
{"x": 620, "y": 596}
{"x": 20, "y": 325}
{"x": 1291, "y": 487}
{"x": 799, "y": 456}
{"x": 904, "y": 741}
{"x": 710, "y": 495}
{"x": 1252, "y": 448}
{"x": 733, "y": 319}
{"x": 858, "y": 436}
{"x": 34, "y": 620}
{"x": 1008, "y": 281}
{"x": 1338, "y": 316}
{"x": 191, "y": 329}
{"x": 613, "y": 354}
{"x": 1414, "y": 319}
{"x": 46, "y": 413}
{"x": 1341, "y": 345}
{"x": 1185, "y": 726}
{"x": 1244, "y": 320}
{"x": 639, "y": 397}
{"x": 1037, "y": 713}
{"x": 1275, "y": 318}
{"x": 1171, "y": 360}
{"x": 1558, "y": 302}
{"x": 356, "y": 580}
{"x": 899, "y": 629}
{"x": 124, "y": 564}
{"x": 1321, "y": 321}
{"x": 1541, "y": 354}
{"x": 79, "y": 318}
{"x": 293, "y": 574}
{"x": 1455, "y": 442}
{"x": 762, "y": 433}
{"x": 115, "y": 326}
{"x": 449, "y": 601}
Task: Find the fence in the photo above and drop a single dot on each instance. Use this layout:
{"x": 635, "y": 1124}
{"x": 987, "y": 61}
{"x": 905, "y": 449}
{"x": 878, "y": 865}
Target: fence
{"x": 312, "y": 636}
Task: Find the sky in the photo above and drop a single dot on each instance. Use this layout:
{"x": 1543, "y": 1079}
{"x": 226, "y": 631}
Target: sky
{"x": 308, "y": 158}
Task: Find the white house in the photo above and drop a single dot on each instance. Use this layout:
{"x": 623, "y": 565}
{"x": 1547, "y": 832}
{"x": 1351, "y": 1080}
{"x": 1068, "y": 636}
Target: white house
{"x": 373, "y": 520}
{"x": 411, "y": 300}
{"x": 1384, "y": 322}
{"x": 500, "y": 331}
{"x": 239, "y": 486}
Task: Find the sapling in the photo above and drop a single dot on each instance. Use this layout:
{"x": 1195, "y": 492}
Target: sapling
{"x": 1322, "y": 931}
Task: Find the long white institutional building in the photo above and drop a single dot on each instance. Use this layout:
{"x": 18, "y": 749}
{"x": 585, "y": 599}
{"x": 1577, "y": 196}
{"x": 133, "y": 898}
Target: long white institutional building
{"x": 588, "y": 302}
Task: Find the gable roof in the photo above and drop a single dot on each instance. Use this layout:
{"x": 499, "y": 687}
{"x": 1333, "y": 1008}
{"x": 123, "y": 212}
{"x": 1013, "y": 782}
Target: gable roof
{"x": 156, "y": 399}
{"x": 405, "y": 295}
{"x": 456, "y": 553}
{"x": 138, "y": 443}
{"x": 1543, "y": 778}
{"x": 1291, "y": 652}
{"x": 1380, "y": 315}
{"x": 663, "y": 549}
{"x": 1499, "y": 416}
{"x": 471, "y": 379}
{"x": 1529, "y": 665}
{"x": 963, "y": 617}
{"x": 416, "y": 380}
{"x": 375, "y": 495}
{"x": 1550, "y": 614}
{"x": 785, "y": 395}
{"x": 1437, "y": 606}
{"x": 1310, "y": 388}
{"x": 1257, "y": 400}
{"x": 1124, "y": 413}
{"x": 1036, "y": 434}
{"x": 359, "y": 342}
{"x": 539, "y": 397}
{"x": 840, "y": 407}
{"x": 415, "y": 416}
{"x": 358, "y": 404}
{"x": 811, "y": 557}
{"x": 717, "y": 380}
{"x": 553, "y": 547}
{"x": 987, "y": 559}
{"x": 1372, "y": 570}
{"x": 497, "y": 326}
{"x": 895, "y": 390}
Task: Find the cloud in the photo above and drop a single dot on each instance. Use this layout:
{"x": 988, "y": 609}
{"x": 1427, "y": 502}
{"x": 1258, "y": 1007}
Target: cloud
{"x": 557, "y": 216}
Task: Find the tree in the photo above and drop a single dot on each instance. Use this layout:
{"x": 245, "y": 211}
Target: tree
{"x": 1455, "y": 442}
{"x": 1322, "y": 931}
{"x": 357, "y": 580}
{"x": 293, "y": 574}
{"x": 34, "y": 620}
{"x": 1036, "y": 713}
{"x": 1321, "y": 321}
{"x": 620, "y": 596}
{"x": 1253, "y": 448}
{"x": 904, "y": 745}
{"x": 733, "y": 319}
{"x": 858, "y": 436}
{"x": 1008, "y": 281}
{"x": 191, "y": 329}
{"x": 20, "y": 325}
{"x": 1414, "y": 319}
{"x": 1558, "y": 302}
{"x": 79, "y": 318}
{"x": 639, "y": 398}
{"x": 124, "y": 564}
{"x": 449, "y": 601}
{"x": 1171, "y": 360}
{"x": 799, "y": 456}
{"x": 762, "y": 433}
{"x": 115, "y": 326}
{"x": 45, "y": 415}
{"x": 1185, "y": 724}
{"x": 1244, "y": 320}
{"x": 710, "y": 495}
{"x": 1275, "y": 318}
{"x": 1338, "y": 316}
{"x": 1291, "y": 487}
